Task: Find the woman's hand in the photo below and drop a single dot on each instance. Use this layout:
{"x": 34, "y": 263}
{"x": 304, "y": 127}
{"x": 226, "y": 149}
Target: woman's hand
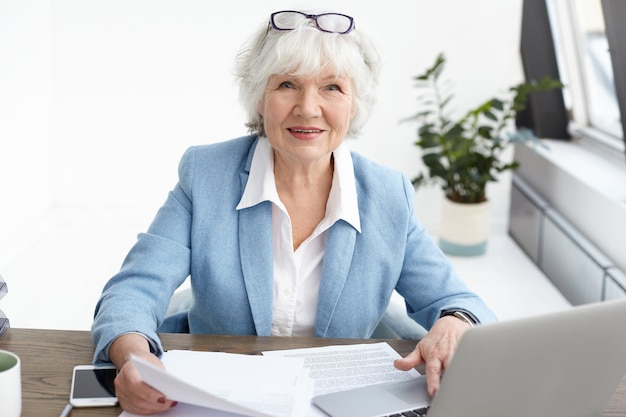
{"x": 134, "y": 395}
{"x": 435, "y": 350}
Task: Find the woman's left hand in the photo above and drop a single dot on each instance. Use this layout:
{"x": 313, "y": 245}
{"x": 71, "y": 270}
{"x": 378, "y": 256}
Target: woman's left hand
{"x": 435, "y": 350}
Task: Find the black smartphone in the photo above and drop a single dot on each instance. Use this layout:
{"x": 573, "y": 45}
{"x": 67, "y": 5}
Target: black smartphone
{"x": 92, "y": 386}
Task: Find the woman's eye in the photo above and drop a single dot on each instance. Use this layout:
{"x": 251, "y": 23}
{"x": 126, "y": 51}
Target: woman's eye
{"x": 333, "y": 87}
{"x": 286, "y": 84}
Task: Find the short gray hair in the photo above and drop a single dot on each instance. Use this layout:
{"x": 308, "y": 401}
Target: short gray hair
{"x": 307, "y": 51}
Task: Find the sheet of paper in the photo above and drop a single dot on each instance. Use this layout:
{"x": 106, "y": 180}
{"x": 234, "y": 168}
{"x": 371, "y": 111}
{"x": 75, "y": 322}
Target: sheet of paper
{"x": 234, "y": 384}
{"x": 278, "y": 386}
{"x": 341, "y": 367}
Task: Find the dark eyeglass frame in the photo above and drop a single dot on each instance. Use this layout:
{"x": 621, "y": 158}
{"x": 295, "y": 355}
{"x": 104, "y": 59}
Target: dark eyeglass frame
{"x": 313, "y": 17}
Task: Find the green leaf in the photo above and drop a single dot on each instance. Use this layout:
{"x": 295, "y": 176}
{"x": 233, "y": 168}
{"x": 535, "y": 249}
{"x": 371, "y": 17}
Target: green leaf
{"x": 485, "y": 132}
{"x": 497, "y": 104}
{"x": 489, "y": 115}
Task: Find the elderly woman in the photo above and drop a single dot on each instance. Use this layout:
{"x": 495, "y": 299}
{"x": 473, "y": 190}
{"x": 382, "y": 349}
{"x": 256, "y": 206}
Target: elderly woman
{"x": 286, "y": 232}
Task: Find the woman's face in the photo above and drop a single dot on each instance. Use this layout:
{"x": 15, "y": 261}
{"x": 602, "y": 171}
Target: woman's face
{"x": 306, "y": 118}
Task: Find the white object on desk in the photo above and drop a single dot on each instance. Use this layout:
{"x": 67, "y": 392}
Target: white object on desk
{"x": 10, "y": 384}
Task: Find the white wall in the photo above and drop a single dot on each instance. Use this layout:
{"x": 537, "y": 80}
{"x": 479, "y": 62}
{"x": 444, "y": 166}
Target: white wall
{"x": 98, "y": 99}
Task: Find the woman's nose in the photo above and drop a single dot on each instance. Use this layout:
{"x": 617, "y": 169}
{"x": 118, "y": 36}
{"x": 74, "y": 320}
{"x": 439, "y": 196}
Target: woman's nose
{"x": 308, "y": 104}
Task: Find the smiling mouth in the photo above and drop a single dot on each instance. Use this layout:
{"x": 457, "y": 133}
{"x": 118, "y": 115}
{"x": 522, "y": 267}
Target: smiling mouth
{"x": 305, "y": 130}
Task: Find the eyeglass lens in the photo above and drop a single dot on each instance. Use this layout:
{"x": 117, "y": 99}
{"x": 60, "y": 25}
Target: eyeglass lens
{"x": 327, "y": 22}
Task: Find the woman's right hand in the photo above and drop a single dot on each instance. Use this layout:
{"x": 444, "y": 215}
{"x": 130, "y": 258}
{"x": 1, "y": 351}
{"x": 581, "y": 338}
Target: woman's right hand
{"x": 134, "y": 395}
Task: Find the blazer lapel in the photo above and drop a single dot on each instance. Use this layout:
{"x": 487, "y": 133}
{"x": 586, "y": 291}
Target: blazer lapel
{"x": 337, "y": 260}
{"x": 255, "y": 249}
{"x": 255, "y": 243}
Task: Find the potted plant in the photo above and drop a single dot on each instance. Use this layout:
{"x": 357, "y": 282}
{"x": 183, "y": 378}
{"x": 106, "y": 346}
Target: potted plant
{"x": 462, "y": 156}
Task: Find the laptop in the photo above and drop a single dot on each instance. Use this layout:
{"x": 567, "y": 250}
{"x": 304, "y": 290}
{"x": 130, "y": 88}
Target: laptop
{"x": 564, "y": 364}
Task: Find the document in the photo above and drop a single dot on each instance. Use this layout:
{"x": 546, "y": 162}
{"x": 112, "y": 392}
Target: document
{"x": 337, "y": 368}
{"x": 227, "y": 384}
{"x": 280, "y": 383}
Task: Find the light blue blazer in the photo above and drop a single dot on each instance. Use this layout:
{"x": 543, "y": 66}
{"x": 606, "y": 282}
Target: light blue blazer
{"x": 228, "y": 255}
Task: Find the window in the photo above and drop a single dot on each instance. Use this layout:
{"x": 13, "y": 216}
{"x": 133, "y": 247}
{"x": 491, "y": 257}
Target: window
{"x": 586, "y": 67}
{"x": 597, "y": 71}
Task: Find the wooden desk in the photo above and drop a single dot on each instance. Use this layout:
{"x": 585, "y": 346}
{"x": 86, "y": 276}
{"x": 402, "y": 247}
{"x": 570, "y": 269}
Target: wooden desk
{"x": 48, "y": 357}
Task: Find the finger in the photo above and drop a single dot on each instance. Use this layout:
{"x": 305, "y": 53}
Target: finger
{"x": 138, "y": 410}
{"x": 433, "y": 376}
{"x": 409, "y": 361}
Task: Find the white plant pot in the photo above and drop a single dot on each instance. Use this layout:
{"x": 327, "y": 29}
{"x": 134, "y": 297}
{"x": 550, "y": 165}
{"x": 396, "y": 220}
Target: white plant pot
{"x": 464, "y": 228}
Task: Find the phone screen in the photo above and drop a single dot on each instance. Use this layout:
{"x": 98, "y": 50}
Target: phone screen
{"x": 94, "y": 383}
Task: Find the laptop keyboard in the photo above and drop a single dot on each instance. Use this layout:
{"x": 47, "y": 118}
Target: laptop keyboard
{"x": 420, "y": 412}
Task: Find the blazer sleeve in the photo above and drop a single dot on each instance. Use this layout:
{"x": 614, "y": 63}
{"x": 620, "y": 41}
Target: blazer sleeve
{"x": 136, "y": 298}
{"x": 428, "y": 281}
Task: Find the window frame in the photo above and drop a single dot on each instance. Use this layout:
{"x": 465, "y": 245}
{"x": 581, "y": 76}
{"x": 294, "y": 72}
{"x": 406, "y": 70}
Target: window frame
{"x": 568, "y": 53}
{"x": 614, "y": 11}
